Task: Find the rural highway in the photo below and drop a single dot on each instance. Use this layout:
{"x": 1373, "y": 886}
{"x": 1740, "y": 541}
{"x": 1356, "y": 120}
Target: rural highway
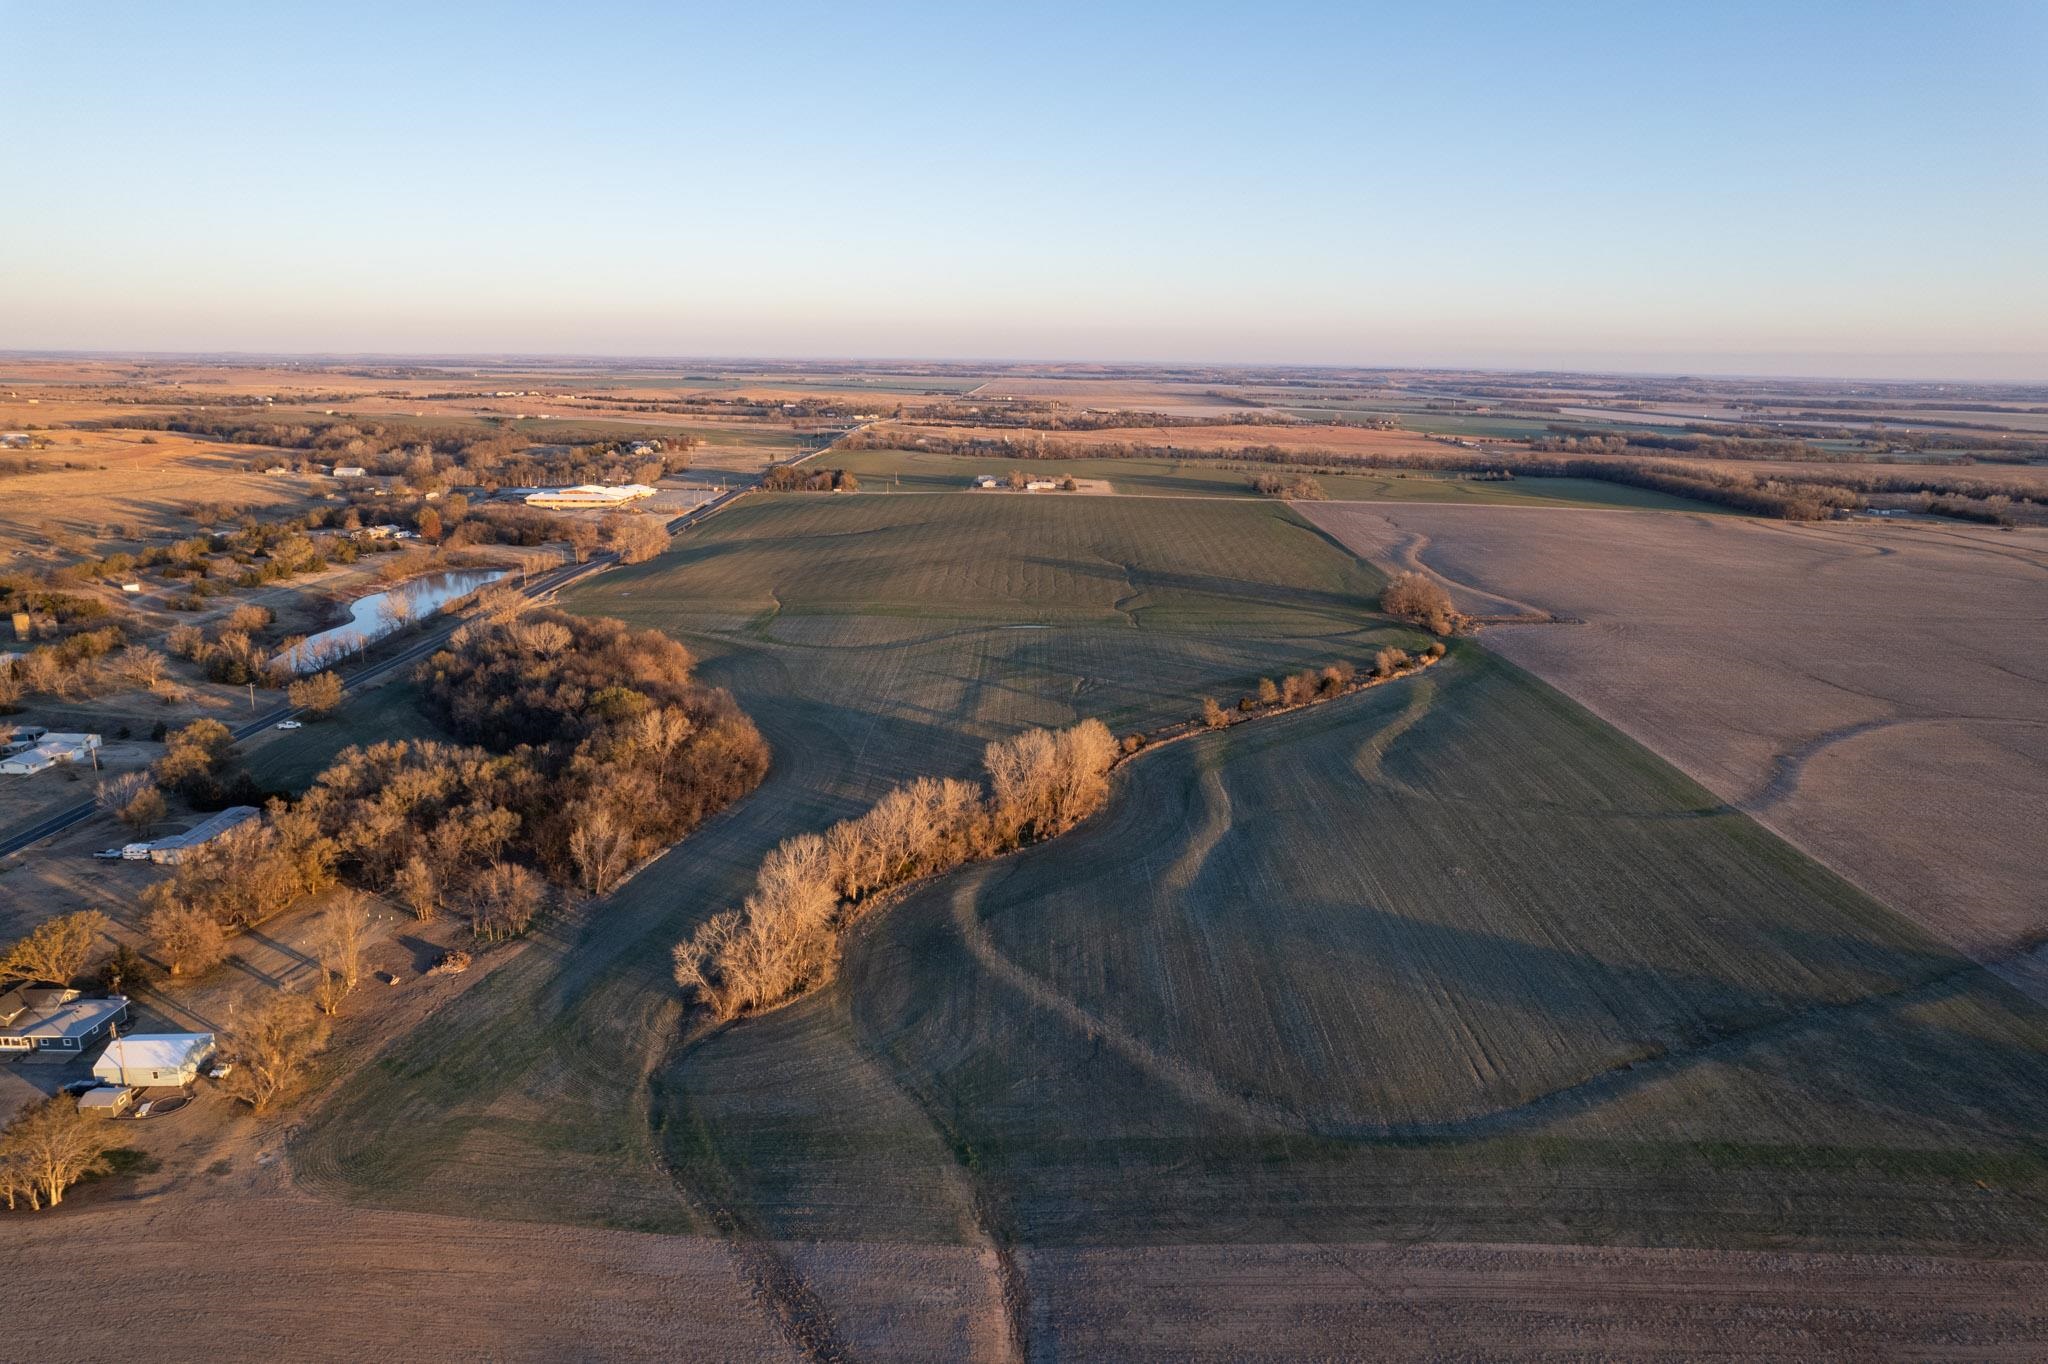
{"x": 546, "y": 584}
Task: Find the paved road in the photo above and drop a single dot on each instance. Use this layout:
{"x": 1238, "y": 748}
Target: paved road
{"x": 546, "y": 584}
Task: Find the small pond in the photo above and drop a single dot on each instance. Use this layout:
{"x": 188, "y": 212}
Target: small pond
{"x": 382, "y": 613}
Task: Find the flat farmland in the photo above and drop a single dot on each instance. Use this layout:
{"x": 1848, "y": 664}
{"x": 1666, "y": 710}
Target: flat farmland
{"x": 873, "y": 639}
{"x": 884, "y": 471}
{"x": 1447, "y": 961}
{"x": 1877, "y": 693}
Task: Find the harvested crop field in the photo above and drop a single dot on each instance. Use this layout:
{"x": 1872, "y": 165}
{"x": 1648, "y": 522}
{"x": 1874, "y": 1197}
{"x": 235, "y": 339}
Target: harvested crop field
{"x": 1876, "y": 693}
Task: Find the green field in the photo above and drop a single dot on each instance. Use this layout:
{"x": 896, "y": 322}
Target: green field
{"x": 1445, "y": 959}
{"x": 917, "y": 471}
{"x": 873, "y": 640}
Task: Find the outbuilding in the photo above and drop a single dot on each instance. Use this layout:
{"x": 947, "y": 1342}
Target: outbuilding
{"x": 177, "y": 847}
{"x": 107, "y": 1101}
{"x": 151, "y": 1060}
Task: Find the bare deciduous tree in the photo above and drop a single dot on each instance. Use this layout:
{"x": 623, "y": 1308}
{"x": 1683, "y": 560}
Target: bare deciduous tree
{"x": 56, "y": 950}
{"x": 49, "y": 1147}
{"x": 346, "y": 931}
{"x": 1412, "y": 597}
{"x": 502, "y": 901}
{"x": 601, "y": 848}
{"x": 271, "y": 1048}
{"x": 187, "y": 938}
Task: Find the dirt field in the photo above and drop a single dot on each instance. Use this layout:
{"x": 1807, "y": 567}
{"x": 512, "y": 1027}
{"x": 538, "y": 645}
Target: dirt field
{"x": 420, "y": 1287}
{"x": 1876, "y": 693}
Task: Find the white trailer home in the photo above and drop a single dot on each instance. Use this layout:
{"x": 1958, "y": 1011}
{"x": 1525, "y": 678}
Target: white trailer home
{"x": 151, "y": 1060}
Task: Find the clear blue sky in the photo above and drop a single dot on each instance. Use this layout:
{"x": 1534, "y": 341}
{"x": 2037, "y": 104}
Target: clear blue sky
{"x": 1816, "y": 188}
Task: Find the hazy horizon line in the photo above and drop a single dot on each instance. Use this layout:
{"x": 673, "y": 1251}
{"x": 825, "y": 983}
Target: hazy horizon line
{"x": 971, "y": 361}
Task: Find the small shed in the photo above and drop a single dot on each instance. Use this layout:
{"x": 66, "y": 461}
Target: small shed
{"x": 150, "y": 1059}
{"x": 108, "y": 1101}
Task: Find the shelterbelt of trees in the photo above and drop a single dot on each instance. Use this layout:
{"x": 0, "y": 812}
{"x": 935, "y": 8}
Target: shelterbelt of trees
{"x": 585, "y": 747}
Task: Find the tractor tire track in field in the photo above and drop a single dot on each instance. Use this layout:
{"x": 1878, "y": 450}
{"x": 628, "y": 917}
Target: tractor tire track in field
{"x": 1202, "y": 1088}
{"x": 997, "y": 1249}
{"x": 1405, "y": 555}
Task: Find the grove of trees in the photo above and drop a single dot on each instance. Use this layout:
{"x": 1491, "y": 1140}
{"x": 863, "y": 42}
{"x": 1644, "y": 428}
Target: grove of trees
{"x": 784, "y": 939}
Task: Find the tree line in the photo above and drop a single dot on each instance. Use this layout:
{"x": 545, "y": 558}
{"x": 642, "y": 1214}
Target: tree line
{"x": 784, "y": 939}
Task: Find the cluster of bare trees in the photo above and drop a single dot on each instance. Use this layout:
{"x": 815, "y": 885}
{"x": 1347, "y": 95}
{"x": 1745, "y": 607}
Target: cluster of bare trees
{"x": 319, "y": 696}
{"x": 47, "y": 1148}
{"x": 272, "y": 1045}
{"x": 80, "y": 665}
{"x": 635, "y": 538}
{"x": 1298, "y": 689}
{"x": 1294, "y": 487}
{"x": 200, "y": 763}
{"x": 784, "y": 940}
{"x": 253, "y": 872}
{"x": 56, "y": 951}
{"x": 784, "y": 478}
{"x": 1421, "y": 601}
{"x": 627, "y": 752}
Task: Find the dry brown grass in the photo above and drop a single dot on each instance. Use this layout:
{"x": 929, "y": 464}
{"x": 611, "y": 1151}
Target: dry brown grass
{"x": 1874, "y": 693}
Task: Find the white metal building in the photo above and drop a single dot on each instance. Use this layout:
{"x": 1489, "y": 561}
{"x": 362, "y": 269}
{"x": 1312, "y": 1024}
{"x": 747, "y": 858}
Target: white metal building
{"x": 173, "y": 849}
{"x": 589, "y": 495}
{"x": 152, "y": 1059}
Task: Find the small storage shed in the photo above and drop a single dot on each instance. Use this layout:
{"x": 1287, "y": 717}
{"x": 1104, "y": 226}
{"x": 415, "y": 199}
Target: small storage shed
{"x": 150, "y": 1060}
{"x": 108, "y": 1101}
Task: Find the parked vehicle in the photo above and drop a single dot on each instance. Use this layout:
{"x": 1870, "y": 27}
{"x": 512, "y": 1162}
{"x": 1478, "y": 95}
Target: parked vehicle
{"x": 290, "y": 724}
{"x": 108, "y": 854}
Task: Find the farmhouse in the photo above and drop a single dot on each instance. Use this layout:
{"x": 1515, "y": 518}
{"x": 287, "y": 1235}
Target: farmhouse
{"x": 152, "y": 1059}
{"x": 588, "y": 495}
{"x": 988, "y": 481}
{"x": 177, "y": 847}
{"x": 52, "y": 1019}
{"x": 49, "y": 750}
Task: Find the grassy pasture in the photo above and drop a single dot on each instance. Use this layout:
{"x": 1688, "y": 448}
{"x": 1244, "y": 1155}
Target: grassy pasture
{"x": 883, "y": 471}
{"x": 1449, "y": 959}
{"x": 873, "y": 640}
